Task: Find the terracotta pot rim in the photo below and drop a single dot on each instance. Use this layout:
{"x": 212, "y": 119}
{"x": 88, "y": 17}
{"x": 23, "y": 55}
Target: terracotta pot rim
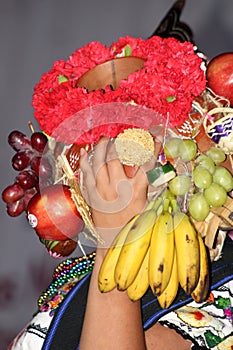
{"x": 110, "y": 72}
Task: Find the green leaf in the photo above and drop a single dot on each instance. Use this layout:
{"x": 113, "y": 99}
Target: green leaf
{"x": 170, "y": 98}
{"x": 62, "y": 79}
{"x": 212, "y": 339}
{"x": 127, "y": 50}
{"x": 222, "y": 303}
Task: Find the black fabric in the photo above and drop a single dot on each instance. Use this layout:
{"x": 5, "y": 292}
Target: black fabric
{"x": 66, "y": 326}
{"x": 70, "y": 318}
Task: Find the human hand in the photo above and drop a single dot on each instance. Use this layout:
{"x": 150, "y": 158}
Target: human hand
{"x": 113, "y": 197}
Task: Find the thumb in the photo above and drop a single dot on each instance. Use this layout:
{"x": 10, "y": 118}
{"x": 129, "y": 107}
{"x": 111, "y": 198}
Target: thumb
{"x": 83, "y": 162}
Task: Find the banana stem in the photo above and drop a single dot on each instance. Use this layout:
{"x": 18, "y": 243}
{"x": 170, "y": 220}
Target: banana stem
{"x": 174, "y": 205}
{"x": 166, "y": 204}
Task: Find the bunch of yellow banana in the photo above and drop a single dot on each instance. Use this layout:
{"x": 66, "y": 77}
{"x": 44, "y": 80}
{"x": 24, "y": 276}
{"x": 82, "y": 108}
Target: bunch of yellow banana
{"x": 124, "y": 258}
{"x": 161, "y": 249}
{"x": 178, "y": 256}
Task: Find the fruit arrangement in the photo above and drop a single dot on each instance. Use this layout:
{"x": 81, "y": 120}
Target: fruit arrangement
{"x": 165, "y": 246}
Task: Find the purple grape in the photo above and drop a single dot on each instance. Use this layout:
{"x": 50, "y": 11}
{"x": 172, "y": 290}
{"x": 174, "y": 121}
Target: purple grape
{"x": 27, "y": 179}
{"x": 42, "y": 167}
{"x": 16, "y": 208}
{"x": 18, "y": 141}
{"x": 21, "y": 160}
{"x": 38, "y": 141}
{"x": 12, "y": 193}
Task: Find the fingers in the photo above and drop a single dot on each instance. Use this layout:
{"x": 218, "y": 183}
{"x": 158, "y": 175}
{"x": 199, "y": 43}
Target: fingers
{"x": 91, "y": 192}
{"x": 105, "y": 178}
{"x": 83, "y": 162}
{"x": 114, "y": 166}
{"x": 88, "y": 176}
{"x": 99, "y": 160}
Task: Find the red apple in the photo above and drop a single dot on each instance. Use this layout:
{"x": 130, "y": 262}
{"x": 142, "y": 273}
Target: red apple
{"x": 53, "y": 214}
{"x": 219, "y": 75}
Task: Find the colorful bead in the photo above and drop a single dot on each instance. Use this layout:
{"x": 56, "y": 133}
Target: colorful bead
{"x": 66, "y": 274}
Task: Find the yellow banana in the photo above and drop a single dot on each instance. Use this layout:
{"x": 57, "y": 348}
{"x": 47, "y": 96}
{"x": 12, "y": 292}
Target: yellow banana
{"x": 161, "y": 253}
{"x": 187, "y": 250}
{"x": 134, "y": 249}
{"x": 201, "y": 290}
{"x": 166, "y": 298}
{"x": 106, "y": 280}
{"x": 141, "y": 282}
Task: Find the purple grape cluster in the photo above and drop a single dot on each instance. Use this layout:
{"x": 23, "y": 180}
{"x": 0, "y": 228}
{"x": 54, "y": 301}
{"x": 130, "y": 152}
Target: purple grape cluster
{"x": 34, "y": 170}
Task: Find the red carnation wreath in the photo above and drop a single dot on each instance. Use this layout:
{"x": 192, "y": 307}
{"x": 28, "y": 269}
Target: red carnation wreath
{"x": 169, "y": 81}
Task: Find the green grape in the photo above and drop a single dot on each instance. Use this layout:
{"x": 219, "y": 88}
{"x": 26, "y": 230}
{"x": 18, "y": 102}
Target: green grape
{"x": 198, "y": 207}
{"x": 206, "y": 162}
{"x": 223, "y": 177}
{"x": 180, "y": 185}
{"x": 171, "y": 147}
{"x": 216, "y": 154}
{"x": 202, "y": 178}
{"x": 215, "y": 195}
{"x": 188, "y": 150}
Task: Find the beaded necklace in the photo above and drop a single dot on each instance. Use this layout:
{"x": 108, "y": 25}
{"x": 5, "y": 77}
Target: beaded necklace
{"x": 65, "y": 276}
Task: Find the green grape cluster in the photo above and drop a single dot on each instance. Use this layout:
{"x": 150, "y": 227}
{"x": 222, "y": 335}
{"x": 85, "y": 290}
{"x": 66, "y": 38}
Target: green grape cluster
{"x": 211, "y": 181}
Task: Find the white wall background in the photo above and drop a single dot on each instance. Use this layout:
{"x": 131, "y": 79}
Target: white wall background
{"x": 33, "y": 34}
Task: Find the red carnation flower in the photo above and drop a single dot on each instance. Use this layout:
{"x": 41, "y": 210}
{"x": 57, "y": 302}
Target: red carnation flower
{"x": 168, "y": 83}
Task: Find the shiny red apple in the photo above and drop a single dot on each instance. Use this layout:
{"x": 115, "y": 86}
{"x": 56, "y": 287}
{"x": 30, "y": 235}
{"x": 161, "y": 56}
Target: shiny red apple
{"x": 219, "y": 74}
{"x": 53, "y": 214}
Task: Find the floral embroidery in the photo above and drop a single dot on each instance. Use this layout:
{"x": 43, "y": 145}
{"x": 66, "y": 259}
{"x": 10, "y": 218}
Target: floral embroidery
{"x": 208, "y": 324}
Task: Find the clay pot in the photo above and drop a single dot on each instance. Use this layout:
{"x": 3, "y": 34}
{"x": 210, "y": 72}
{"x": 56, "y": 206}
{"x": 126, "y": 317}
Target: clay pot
{"x": 110, "y": 73}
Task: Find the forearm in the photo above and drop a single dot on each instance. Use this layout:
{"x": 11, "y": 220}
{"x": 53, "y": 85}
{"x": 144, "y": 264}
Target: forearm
{"x": 111, "y": 320}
